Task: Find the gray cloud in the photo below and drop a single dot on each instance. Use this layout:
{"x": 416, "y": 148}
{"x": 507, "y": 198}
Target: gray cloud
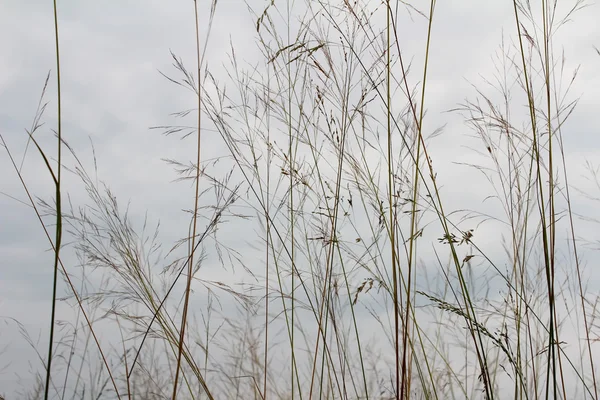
{"x": 112, "y": 93}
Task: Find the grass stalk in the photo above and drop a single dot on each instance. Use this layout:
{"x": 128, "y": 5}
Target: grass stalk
{"x": 58, "y": 229}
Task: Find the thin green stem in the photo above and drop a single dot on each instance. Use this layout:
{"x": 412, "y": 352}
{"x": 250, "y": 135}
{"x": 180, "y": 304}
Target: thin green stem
{"x": 58, "y": 231}
{"x": 190, "y": 270}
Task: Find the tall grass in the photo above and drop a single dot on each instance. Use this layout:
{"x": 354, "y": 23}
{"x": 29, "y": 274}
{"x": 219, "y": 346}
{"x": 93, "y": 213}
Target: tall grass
{"x": 346, "y": 273}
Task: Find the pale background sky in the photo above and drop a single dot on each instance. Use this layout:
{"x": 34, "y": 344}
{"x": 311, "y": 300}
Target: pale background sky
{"x": 111, "y": 52}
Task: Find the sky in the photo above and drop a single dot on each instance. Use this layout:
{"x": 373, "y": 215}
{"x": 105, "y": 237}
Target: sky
{"x": 112, "y": 56}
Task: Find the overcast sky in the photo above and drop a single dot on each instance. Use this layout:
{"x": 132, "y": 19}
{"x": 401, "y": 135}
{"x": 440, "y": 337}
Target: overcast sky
{"x": 111, "y": 55}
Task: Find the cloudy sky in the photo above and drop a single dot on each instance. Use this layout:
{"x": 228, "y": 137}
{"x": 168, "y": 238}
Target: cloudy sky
{"x": 111, "y": 55}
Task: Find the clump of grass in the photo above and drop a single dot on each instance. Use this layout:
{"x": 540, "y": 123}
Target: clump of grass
{"x": 363, "y": 282}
